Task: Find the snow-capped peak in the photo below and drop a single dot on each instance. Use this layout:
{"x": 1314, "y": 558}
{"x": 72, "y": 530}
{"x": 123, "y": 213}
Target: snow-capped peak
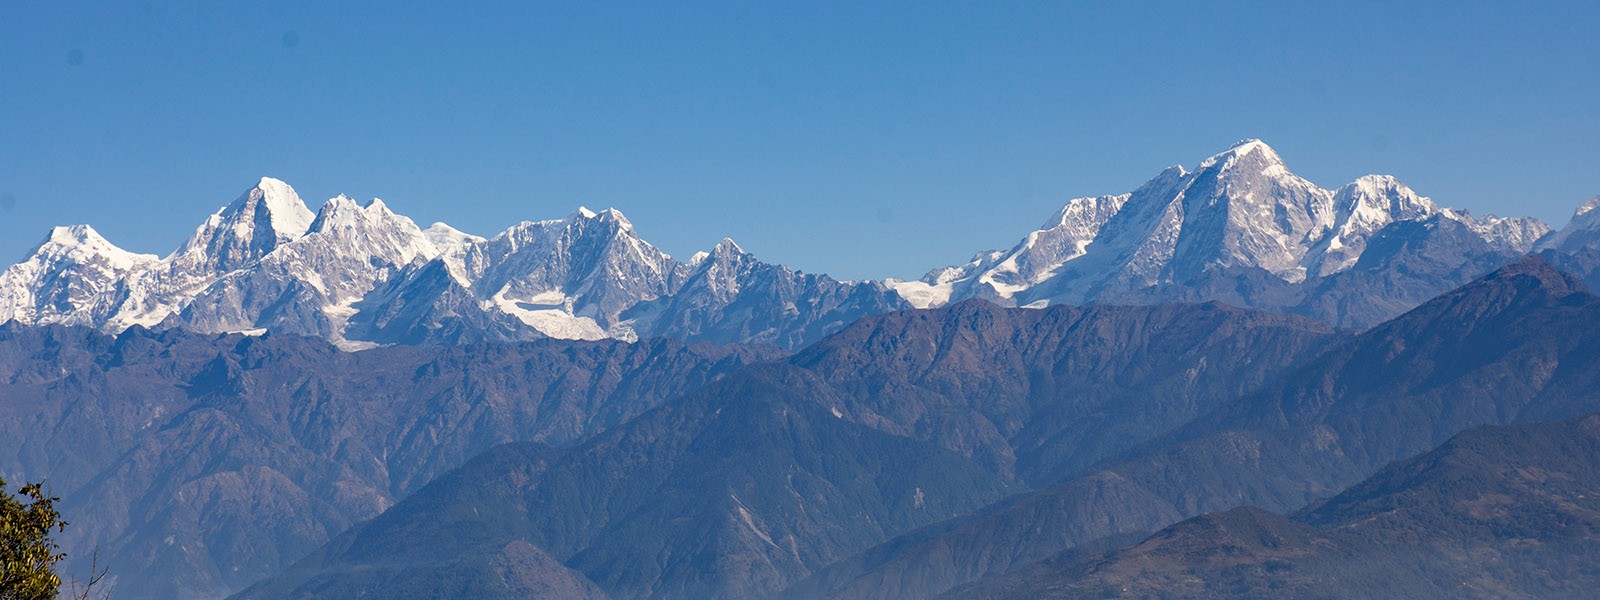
{"x": 74, "y": 276}
{"x": 73, "y": 235}
{"x": 445, "y": 236}
{"x": 262, "y": 218}
{"x": 1237, "y": 211}
{"x": 1241, "y": 149}
{"x": 1374, "y": 198}
{"x": 288, "y": 214}
{"x": 727, "y": 246}
{"x": 81, "y": 242}
{"x": 615, "y": 216}
{"x": 1584, "y": 208}
{"x": 1583, "y": 231}
{"x": 371, "y": 229}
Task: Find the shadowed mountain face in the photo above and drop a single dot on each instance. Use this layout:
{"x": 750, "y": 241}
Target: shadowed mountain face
{"x": 1045, "y": 393}
{"x": 203, "y": 463}
{"x": 1521, "y": 344}
{"x": 1496, "y": 512}
{"x": 730, "y": 492}
{"x": 900, "y": 421}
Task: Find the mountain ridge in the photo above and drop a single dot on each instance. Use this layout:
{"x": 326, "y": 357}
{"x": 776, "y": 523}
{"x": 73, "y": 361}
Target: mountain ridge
{"x": 1239, "y": 228}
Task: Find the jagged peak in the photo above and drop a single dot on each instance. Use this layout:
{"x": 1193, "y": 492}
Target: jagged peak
{"x": 337, "y": 209}
{"x": 288, "y": 214}
{"x": 1586, "y": 207}
{"x": 338, "y": 202}
{"x": 607, "y": 215}
{"x": 374, "y": 217}
{"x": 728, "y": 245}
{"x": 1076, "y": 209}
{"x": 1239, "y": 150}
{"x": 75, "y": 235}
{"x": 1375, "y": 181}
{"x": 1385, "y": 192}
{"x": 82, "y": 240}
{"x": 724, "y": 252}
{"x": 442, "y": 233}
{"x": 614, "y": 215}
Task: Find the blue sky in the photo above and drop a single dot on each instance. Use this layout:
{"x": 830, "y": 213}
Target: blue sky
{"x": 857, "y": 139}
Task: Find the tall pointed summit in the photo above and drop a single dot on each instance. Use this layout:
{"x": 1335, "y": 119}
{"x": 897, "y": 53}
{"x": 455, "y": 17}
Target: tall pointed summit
{"x": 262, "y": 218}
{"x": 1239, "y": 228}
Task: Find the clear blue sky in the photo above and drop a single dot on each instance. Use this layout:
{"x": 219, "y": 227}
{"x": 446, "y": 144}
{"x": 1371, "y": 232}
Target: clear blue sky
{"x": 857, "y": 139}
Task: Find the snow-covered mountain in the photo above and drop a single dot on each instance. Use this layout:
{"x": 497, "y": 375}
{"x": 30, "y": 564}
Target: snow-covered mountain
{"x": 1575, "y": 248}
{"x": 360, "y": 274}
{"x": 1583, "y": 232}
{"x": 1239, "y": 228}
{"x": 73, "y": 277}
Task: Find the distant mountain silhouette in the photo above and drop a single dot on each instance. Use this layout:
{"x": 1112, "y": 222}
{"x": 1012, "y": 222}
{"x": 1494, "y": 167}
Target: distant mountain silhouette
{"x": 1510, "y": 511}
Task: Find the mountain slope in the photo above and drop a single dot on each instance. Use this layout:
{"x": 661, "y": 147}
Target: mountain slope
{"x": 733, "y": 491}
{"x": 762, "y": 478}
{"x": 1496, "y": 512}
{"x": 1521, "y": 344}
{"x": 207, "y": 462}
{"x": 1044, "y": 393}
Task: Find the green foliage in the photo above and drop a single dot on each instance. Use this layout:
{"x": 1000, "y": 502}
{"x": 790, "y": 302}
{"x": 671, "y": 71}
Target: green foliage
{"x": 27, "y": 555}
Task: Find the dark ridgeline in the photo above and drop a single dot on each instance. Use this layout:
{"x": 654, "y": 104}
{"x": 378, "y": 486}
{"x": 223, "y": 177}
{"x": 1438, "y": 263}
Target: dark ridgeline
{"x": 1507, "y": 511}
{"x": 747, "y": 485}
{"x": 1519, "y": 345}
{"x": 204, "y": 463}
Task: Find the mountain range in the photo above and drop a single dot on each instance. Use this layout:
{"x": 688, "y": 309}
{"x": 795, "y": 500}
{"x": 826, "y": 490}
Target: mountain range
{"x": 1239, "y": 228}
{"x": 1229, "y": 375}
{"x": 1508, "y": 511}
{"x": 797, "y": 480}
{"x": 1518, "y": 345}
{"x": 206, "y": 462}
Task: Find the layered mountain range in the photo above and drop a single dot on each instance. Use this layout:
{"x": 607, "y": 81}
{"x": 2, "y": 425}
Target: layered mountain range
{"x": 360, "y": 275}
{"x": 340, "y": 403}
{"x": 1509, "y": 511}
{"x": 904, "y": 456}
{"x": 1239, "y": 228}
{"x": 774, "y": 481}
{"x": 205, "y": 462}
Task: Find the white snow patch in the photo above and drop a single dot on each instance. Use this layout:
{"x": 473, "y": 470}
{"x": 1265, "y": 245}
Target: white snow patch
{"x": 921, "y": 294}
{"x": 556, "y": 323}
